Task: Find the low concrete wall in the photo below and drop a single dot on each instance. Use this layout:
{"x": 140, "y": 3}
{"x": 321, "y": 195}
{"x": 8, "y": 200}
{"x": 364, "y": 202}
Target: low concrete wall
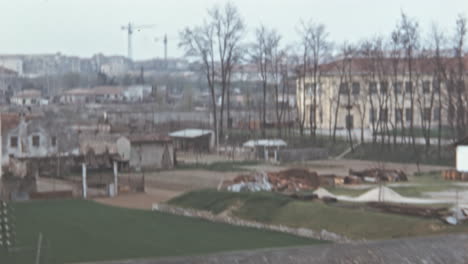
{"x": 303, "y": 232}
{"x": 302, "y": 154}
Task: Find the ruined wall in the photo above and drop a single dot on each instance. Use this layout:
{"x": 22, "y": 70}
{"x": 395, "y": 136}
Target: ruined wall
{"x": 150, "y": 156}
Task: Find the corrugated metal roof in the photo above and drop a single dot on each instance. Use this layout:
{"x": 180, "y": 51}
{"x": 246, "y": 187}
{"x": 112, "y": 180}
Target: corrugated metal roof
{"x": 265, "y": 143}
{"x": 190, "y": 133}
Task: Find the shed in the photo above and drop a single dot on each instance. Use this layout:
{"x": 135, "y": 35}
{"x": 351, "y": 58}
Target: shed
{"x": 198, "y": 140}
{"x": 266, "y": 148}
{"x": 148, "y": 151}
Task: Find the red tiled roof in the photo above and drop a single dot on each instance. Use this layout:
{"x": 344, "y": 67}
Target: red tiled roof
{"x": 5, "y": 71}
{"x": 387, "y": 65}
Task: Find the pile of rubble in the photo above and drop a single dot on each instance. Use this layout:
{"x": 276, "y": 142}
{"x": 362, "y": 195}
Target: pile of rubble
{"x": 291, "y": 180}
{"x": 380, "y": 175}
{"x": 294, "y": 180}
{"x": 454, "y": 175}
{"x": 253, "y": 183}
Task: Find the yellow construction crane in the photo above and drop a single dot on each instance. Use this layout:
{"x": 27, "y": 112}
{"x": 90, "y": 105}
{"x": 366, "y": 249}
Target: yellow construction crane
{"x": 130, "y": 28}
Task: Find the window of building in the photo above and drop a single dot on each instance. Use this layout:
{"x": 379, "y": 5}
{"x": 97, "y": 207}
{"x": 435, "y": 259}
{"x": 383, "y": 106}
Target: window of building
{"x": 383, "y": 87}
{"x": 436, "y": 86}
{"x": 408, "y": 114}
{"x": 436, "y": 114}
{"x": 349, "y": 122}
{"x": 426, "y": 87}
{"x": 408, "y": 87}
{"x": 356, "y": 88}
{"x": 372, "y": 87}
{"x": 35, "y": 141}
{"x": 397, "y": 86}
{"x": 383, "y": 117}
{"x": 398, "y": 115}
{"x": 344, "y": 89}
{"x": 372, "y": 114}
{"x": 53, "y": 141}
{"x": 427, "y": 114}
{"x": 14, "y": 142}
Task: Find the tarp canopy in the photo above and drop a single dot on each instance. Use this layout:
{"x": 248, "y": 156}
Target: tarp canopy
{"x": 265, "y": 143}
{"x": 190, "y": 133}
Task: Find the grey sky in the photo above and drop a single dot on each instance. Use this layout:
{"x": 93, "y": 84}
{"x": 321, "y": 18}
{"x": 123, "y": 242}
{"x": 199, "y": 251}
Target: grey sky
{"x": 86, "y": 27}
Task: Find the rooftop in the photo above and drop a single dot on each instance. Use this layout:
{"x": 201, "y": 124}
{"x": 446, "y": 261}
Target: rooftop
{"x": 265, "y": 143}
{"x": 190, "y": 133}
{"x": 31, "y": 93}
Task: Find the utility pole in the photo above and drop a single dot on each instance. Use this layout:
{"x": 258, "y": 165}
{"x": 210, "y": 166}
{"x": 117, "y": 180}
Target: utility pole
{"x": 165, "y": 51}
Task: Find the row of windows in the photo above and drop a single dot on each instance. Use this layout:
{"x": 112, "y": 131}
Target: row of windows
{"x": 383, "y": 114}
{"x": 35, "y": 141}
{"x": 398, "y": 87}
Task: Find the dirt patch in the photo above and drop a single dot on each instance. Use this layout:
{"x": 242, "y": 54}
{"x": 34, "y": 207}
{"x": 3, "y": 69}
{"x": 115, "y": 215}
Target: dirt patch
{"x": 139, "y": 200}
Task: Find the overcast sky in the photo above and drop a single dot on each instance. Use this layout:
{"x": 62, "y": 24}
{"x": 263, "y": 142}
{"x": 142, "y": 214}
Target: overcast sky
{"x": 86, "y": 27}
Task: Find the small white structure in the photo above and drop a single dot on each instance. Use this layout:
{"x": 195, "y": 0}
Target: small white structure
{"x": 266, "y": 148}
{"x": 199, "y": 140}
{"x": 462, "y": 155}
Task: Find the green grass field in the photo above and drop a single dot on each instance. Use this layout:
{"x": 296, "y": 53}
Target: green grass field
{"x": 356, "y": 222}
{"x": 403, "y": 154}
{"x": 78, "y": 231}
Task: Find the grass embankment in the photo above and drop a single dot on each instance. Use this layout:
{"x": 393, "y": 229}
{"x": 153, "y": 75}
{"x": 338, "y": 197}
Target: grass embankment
{"x": 79, "y": 231}
{"x": 417, "y": 186}
{"x": 357, "y": 223}
{"x": 403, "y": 154}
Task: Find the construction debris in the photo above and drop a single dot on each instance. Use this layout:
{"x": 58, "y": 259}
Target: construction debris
{"x": 294, "y": 180}
{"x": 291, "y": 180}
{"x": 453, "y": 175}
{"x": 252, "y": 183}
{"x": 380, "y": 175}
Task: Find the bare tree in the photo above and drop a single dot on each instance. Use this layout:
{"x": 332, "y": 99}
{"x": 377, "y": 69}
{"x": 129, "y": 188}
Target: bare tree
{"x": 316, "y": 38}
{"x": 409, "y": 35}
{"x": 228, "y": 30}
{"x": 215, "y": 43}
{"x": 266, "y": 54}
{"x": 199, "y": 42}
{"x": 459, "y": 45}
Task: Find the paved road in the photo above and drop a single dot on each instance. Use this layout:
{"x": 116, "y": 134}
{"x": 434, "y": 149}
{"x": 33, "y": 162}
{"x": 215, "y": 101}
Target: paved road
{"x": 451, "y": 249}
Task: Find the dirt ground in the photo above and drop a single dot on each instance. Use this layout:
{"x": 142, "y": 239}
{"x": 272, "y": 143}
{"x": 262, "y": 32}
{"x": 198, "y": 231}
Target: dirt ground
{"x": 164, "y": 185}
{"x": 341, "y": 167}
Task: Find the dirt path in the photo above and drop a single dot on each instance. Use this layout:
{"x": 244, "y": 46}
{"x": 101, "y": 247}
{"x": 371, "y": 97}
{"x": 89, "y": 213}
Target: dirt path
{"x": 139, "y": 200}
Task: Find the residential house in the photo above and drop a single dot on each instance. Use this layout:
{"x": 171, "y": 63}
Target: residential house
{"x": 29, "y": 97}
{"x": 39, "y": 137}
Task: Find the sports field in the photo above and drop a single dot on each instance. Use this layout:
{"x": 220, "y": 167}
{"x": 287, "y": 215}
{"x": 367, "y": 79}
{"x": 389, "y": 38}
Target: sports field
{"x": 79, "y": 231}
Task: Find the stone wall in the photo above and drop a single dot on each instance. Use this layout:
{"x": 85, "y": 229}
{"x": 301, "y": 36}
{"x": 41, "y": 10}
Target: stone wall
{"x": 303, "y": 232}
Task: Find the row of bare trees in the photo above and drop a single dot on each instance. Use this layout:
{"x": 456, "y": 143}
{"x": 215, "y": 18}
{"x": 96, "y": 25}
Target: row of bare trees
{"x": 219, "y": 44}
